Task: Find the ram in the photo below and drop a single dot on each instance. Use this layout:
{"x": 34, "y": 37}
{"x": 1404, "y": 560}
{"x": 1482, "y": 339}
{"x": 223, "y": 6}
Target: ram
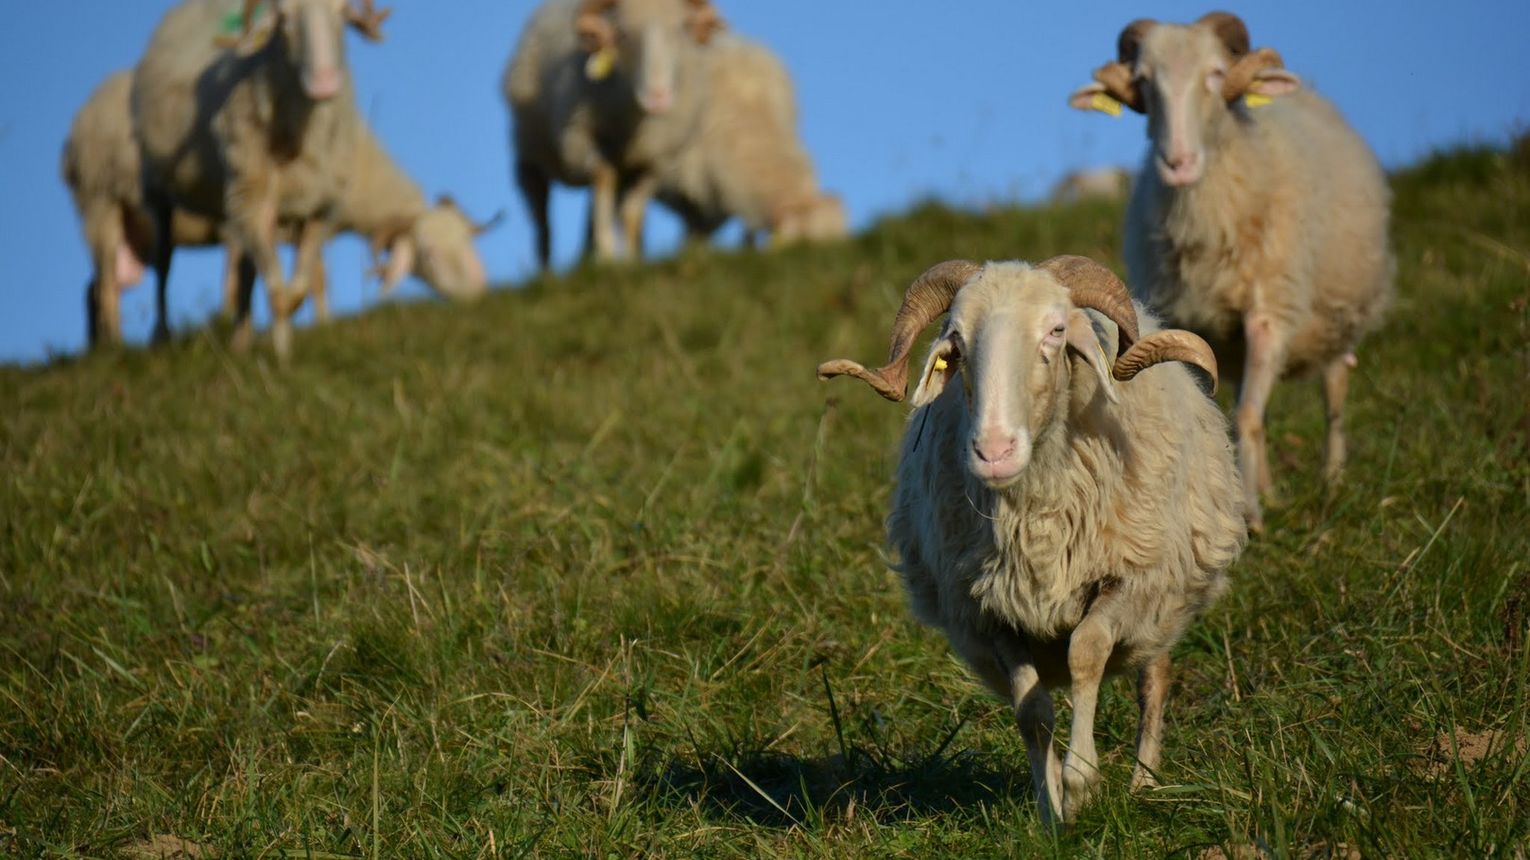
{"x": 1057, "y": 515}
{"x": 747, "y": 160}
{"x": 599, "y": 92}
{"x": 1259, "y": 219}
{"x": 254, "y": 136}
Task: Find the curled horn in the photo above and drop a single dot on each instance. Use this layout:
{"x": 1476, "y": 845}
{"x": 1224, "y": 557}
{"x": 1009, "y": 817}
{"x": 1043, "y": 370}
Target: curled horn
{"x": 595, "y": 31}
{"x": 1116, "y": 77}
{"x": 1091, "y": 285}
{"x": 1243, "y": 72}
{"x": 703, "y": 20}
{"x": 367, "y": 19}
{"x": 926, "y": 299}
{"x": 1169, "y": 345}
{"x": 1229, "y": 29}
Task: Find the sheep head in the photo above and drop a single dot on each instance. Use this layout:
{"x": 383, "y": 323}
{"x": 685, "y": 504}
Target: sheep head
{"x": 816, "y": 217}
{"x": 437, "y": 246}
{"x": 1015, "y": 335}
{"x": 1187, "y": 79}
{"x": 313, "y": 32}
{"x": 647, "y": 41}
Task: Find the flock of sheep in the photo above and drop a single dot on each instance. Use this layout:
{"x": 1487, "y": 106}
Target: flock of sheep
{"x": 238, "y": 127}
{"x": 1068, "y": 499}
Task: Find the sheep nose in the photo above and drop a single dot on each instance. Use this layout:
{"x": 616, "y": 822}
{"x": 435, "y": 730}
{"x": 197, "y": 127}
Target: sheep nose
{"x": 323, "y": 83}
{"x": 657, "y": 99}
{"x": 994, "y": 447}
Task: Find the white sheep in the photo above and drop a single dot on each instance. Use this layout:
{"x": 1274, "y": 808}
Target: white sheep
{"x": 1259, "y": 219}
{"x": 101, "y": 165}
{"x": 256, "y": 136}
{"x": 1056, "y": 526}
{"x": 747, "y": 159}
{"x": 599, "y": 92}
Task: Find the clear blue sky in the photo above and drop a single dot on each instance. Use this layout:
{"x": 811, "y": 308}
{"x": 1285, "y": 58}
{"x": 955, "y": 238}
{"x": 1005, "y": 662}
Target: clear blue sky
{"x": 900, "y": 99}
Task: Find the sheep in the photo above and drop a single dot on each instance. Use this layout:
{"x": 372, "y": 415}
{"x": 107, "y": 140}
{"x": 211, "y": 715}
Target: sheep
{"x": 254, "y": 136}
{"x": 1100, "y": 183}
{"x": 1056, "y": 526}
{"x": 599, "y": 91}
{"x": 1259, "y": 220}
{"x": 405, "y": 233}
{"x": 101, "y": 165}
{"x": 747, "y": 159}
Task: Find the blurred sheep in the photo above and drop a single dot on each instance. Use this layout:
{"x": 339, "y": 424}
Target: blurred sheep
{"x": 1098, "y": 183}
{"x": 600, "y": 92}
{"x": 255, "y": 136}
{"x": 747, "y": 160}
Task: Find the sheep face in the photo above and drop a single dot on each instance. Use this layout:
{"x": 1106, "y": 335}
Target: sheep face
{"x": 819, "y": 218}
{"x": 447, "y": 260}
{"x": 312, "y": 33}
{"x": 1191, "y": 81}
{"x": 1010, "y": 335}
{"x": 649, "y": 43}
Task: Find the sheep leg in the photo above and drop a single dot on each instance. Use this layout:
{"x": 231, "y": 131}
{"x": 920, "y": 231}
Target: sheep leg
{"x": 1335, "y": 389}
{"x": 232, "y": 258}
{"x": 535, "y": 187}
{"x": 163, "y": 248}
{"x": 603, "y": 188}
{"x": 634, "y": 205}
{"x": 1260, "y": 370}
{"x": 1152, "y": 690}
{"x": 1088, "y": 652}
{"x": 318, "y": 285}
{"x": 105, "y": 291}
{"x": 1032, "y": 705}
{"x": 244, "y": 322}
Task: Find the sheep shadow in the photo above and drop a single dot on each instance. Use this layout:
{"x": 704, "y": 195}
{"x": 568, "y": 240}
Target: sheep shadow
{"x": 778, "y": 790}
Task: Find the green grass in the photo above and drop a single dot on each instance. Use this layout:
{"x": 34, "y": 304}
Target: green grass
{"x": 594, "y": 569}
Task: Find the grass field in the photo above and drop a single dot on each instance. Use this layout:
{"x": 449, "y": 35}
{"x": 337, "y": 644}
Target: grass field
{"x": 594, "y": 569}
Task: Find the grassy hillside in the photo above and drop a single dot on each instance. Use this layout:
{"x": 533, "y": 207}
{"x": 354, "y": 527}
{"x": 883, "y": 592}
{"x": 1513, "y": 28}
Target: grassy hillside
{"x": 594, "y": 569}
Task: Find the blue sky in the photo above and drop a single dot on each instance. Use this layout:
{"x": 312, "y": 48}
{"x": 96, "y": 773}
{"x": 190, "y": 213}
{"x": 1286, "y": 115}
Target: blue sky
{"x": 961, "y": 100}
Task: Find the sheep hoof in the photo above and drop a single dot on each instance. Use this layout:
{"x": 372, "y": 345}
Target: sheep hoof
{"x": 1143, "y": 779}
{"x": 161, "y": 334}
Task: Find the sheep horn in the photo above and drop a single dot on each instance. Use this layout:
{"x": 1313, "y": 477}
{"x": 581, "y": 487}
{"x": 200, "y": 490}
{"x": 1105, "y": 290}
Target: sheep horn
{"x": 1241, "y": 76}
{"x": 1091, "y": 285}
{"x": 926, "y": 299}
{"x": 1229, "y": 28}
{"x": 367, "y": 20}
{"x": 1168, "y": 345}
{"x": 595, "y": 31}
{"x": 1130, "y": 40}
{"x": 1117, "y": 80}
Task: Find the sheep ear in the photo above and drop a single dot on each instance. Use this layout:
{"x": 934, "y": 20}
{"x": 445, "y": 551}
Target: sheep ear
{"x": 400, "y": 263}
{"x": 938, "y": 370}
{"x": 1093, "y": 97}
{"x": 1274, "y": 82}
{"x": 1089, "y": 343}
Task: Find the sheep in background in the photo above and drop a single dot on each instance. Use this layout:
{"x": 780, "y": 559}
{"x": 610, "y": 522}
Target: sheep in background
{"x": 1259, "y": 219}
{"x": 406, "y": 235}
{"x": 1099, "y": 183}
{"x": 102, "y": 168}
{"x": 599, "y": 92}
{"x": 253, "y": 137}
{"x": 1056, "y": 526}
{"x": 747, "y": 160}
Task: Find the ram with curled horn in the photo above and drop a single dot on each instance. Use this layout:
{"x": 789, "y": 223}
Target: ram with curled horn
{"x": 1062, "y": 514}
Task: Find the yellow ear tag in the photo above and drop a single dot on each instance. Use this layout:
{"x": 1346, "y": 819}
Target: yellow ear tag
{"x": 599, "y": 65}
{"x": 940, "y": 364}
{"x": 1105, "y": 104}
{"x": 1255, "y": 100}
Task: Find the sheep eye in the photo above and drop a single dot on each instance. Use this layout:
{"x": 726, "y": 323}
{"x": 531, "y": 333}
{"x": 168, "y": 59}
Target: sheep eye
{"x": 1059, "y": 330}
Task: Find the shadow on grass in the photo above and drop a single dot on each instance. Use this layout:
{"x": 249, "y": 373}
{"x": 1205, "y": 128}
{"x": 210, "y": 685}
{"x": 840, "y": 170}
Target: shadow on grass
{"x": 778, "y": 790}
